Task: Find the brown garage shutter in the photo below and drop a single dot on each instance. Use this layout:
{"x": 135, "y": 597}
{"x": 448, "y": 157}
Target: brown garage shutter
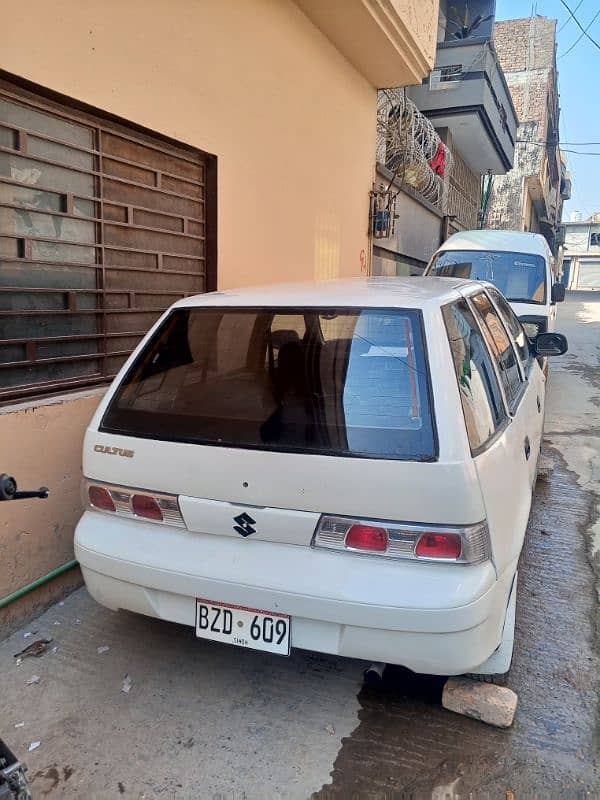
{"x": 102, "y": 227}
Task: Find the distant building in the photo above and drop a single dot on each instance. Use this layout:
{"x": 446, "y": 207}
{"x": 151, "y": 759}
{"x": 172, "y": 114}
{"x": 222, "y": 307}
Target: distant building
{"x": 581, "y": 264}
{"x": 530, "y": 197}
{"x": 437, "y": 139}
{"x": 576, "y": 216}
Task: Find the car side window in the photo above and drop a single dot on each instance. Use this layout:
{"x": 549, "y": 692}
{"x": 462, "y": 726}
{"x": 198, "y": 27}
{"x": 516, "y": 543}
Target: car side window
{"x": 480, "y": 393}
{"x": 500, "y": 347}
{"x": 515, "y": 328}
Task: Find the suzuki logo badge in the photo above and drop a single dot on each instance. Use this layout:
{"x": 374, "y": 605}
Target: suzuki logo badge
{"x": 244, "y": 524}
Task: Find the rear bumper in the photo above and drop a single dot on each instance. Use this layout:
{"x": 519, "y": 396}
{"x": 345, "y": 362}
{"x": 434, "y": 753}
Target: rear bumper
{"x": 431, "y": 618}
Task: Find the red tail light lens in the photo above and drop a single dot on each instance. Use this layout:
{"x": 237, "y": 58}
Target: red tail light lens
{"x": 100, "y": 498}
{"x": 458, "y": 544}
{"x": 145, "y": 506}
{"x": 367, "y": 537}
{"x": 438, "y": 545}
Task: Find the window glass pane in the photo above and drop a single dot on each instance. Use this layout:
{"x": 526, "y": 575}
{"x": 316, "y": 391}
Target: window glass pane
{"x": 511, "y": 321}
{"x": 206, "y": 377}
{"x": 36, "y": 373}
{"x": 41, "y": 276}
{"x": 22, "y": 116}
{"x": 32, "y": 301}
{"x": 58, "y": 349}
{"x": 12, "y": 352}
{"x": 40, "y": 325}
{"x": 284, "y": 328}
{"x": 521, "y": 277}
{"x": 55, "y": 251}
{"x": 7, "y": 137}
{"x": 479, "y": 390}
{"x": 500, "y": 347}
{"x": 22, "y": 222}
{"x": 60, "y": 152}
{"x": 84, "y": 208}
{"x": 32, "y": 198}
{"x": 29, "y": 172}
{"x": 9, "y": 248}
{"x": 336, "y": 327}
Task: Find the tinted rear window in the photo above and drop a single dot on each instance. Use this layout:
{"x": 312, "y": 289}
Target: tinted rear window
{"x": 519, "y": 276}
{"x": 342, "y": 382}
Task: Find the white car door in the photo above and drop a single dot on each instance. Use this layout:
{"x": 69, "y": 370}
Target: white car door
{"x": 535, "y": 396}
{"x": 496, "y": 438}
{"x": 507, "y": 482}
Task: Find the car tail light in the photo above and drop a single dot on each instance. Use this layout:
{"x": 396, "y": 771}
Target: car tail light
{"x": 469, "y": 544}
{"x": 134, "y": 503}
{"x": 144, "y": 505}
{"x": 438, "y": 545}
{"x": 367, "y": 537}
{"x": 99, "y": 497}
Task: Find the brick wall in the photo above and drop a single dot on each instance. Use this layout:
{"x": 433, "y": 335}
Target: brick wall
{"x": 526, "y": 44}
{"x": 527, "y": 52}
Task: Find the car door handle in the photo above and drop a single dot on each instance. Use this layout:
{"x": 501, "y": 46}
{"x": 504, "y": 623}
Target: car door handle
{"x": 527, "y": 446}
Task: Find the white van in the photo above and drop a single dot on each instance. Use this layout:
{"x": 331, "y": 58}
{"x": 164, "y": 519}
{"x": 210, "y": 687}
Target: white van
{"x": 344, "y": 467}
{"x": 519, "y": 264}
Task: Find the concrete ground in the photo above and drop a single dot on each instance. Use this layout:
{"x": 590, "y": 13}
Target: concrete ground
{"x": 202, "y": 720}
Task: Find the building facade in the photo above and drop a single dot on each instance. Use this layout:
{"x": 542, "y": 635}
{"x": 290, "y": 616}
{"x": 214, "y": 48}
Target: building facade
{"x": 457, "y": 126}
{"x": 530, "y": 197}
{"x": 581, "y": 263}
{"x": 150, "y": 150}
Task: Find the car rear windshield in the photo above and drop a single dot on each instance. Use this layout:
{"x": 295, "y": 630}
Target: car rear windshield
{"x": 350, "y": 382}
{"x": 521, "y": 277}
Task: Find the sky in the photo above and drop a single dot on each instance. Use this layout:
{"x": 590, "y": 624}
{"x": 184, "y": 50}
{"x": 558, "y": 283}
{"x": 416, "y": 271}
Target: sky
{"x": 578, "y": 82}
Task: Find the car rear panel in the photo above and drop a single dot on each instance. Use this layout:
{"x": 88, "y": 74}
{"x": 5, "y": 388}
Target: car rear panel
{"x": 263, "y": 483}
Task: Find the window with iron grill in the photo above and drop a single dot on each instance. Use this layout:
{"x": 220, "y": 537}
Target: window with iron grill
{"x": 102, "y": 227}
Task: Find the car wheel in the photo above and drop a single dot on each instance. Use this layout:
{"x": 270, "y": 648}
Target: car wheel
{"x": 497, "y": 680}
{"x": 501, "y": 658}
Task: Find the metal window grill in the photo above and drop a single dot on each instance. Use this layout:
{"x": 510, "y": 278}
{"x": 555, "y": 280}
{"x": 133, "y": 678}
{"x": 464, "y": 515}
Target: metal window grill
{"x": 102, "y": 227}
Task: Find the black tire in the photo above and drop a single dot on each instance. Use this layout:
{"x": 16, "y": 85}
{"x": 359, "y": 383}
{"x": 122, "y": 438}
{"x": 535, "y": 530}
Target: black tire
{"x": 497, "y": 680}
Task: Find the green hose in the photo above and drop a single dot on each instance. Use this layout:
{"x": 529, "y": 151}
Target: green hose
{"x": 10, "y": 598}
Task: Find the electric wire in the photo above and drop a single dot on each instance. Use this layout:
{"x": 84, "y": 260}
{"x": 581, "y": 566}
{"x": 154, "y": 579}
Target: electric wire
{"x": 580, "y": 26}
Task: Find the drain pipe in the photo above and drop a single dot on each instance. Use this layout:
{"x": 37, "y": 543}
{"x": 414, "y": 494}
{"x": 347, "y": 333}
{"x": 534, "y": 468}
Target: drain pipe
{"x": 25, "y": 590}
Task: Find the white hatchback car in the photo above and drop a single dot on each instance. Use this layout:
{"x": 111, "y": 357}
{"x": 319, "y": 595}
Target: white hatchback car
{"x": 344, "y": 467}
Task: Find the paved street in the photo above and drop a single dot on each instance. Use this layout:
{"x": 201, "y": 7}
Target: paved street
{"x": 203, "y": 720}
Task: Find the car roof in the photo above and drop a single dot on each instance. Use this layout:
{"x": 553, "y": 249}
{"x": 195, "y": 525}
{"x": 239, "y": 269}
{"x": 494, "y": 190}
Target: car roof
{"x": 373, "y": 292}
{"x": 504, "y": 241}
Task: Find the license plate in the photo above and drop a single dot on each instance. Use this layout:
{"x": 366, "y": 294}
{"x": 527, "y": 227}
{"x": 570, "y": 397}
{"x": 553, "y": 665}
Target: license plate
{"x": 244, "y": 627}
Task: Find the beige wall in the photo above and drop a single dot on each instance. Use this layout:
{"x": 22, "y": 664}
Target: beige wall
{"x": 40, "y": 444}
{"x": 252, "y": 81}
{"x": 292, "y": 123}
{"x": 422, "y": 19}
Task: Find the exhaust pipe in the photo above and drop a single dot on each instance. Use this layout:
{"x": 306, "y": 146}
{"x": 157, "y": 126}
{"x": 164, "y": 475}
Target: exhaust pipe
{"x": 374, "y": 674}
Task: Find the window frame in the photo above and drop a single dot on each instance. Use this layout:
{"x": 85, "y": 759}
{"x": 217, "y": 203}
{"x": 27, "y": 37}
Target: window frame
{"x": 522, "y": 378}
{"x": 103, "y": 344}
{"x": 526, "y": 366}
{"x": 431, "y": 269}
{"x": 506, "y": 417}
{"x": 418, "y": 317}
